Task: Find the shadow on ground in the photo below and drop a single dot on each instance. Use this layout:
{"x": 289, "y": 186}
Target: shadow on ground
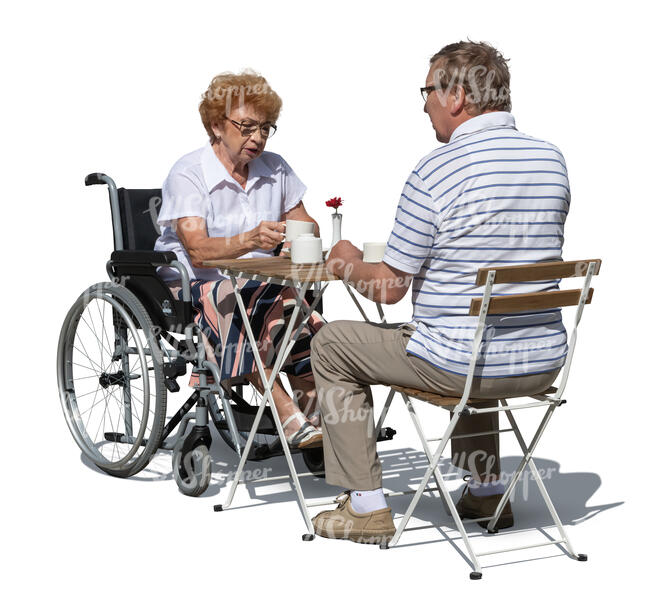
{"x": 403, "y": 469}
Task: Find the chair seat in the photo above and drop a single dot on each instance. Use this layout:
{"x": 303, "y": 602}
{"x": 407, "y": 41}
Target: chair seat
{"x": 448, "y": 401}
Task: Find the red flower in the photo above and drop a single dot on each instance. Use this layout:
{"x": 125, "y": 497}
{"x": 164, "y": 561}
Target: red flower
{"x": 334, "y": 202}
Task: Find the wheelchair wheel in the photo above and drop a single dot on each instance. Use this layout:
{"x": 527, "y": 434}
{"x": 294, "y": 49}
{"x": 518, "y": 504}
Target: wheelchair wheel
{"x": 244, "y": 406}
{"x": 314, "y": 459}
{"x": 266, "y": 442}
{"x": 110, "y": 376}
{"x": 192, "y": 470}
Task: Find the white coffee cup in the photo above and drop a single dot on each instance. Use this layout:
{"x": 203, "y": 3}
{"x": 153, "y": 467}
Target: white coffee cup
{"x": 373, "y": 252}
{"x": 297, "y": 227}
{"x": 306, "y": 249}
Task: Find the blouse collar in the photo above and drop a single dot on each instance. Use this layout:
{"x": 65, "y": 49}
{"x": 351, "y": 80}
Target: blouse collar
{"x": 214, "y": 172}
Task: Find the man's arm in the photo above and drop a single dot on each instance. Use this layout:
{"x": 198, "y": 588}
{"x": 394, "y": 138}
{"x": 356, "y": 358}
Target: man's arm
{"x": 378, "y": 282}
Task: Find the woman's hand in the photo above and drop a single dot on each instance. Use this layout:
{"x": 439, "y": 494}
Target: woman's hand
{"x": 193, "y": 235}
{"x": 266, "y": 235}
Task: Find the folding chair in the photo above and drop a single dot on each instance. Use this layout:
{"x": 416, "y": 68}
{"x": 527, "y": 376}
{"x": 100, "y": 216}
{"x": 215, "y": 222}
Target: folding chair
{"x": 551, "y": 398}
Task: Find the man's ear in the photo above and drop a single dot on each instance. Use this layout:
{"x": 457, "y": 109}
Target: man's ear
{"x": 458, "y": 100}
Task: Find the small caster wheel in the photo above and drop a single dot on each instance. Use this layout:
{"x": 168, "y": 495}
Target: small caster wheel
{"x": 383, "y": 546}
{"x": 475, "y": 575}
{"x": 218, "y": 508}
{"x": 582, "y": 557}
{"x": 307, "y": 537}
{"x": 192, "y": 468}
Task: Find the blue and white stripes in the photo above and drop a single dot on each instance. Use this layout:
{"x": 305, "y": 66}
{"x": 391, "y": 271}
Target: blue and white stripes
{"x": 492, "y": 196}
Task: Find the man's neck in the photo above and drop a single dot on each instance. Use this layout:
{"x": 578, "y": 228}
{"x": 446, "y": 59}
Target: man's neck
{"x": 461, "y": 118}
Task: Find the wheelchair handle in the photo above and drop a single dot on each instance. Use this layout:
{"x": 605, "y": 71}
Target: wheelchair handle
{"x": 96, "y": 178}
{"x": 99, "y": 178}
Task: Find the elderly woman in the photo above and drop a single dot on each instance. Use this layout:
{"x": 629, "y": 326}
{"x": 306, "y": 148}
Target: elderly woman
{"x": 230, "y": 199}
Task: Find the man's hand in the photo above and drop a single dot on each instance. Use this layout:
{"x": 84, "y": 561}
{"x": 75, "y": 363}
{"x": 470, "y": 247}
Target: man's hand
{"x": 266, "y": 235}
{"x": 341, "y": 256}
{"x": 378, "y": 282}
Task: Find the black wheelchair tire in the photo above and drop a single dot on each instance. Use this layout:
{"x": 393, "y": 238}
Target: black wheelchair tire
{"x": 314, "y": 459}
{"x": 192, "y": 474}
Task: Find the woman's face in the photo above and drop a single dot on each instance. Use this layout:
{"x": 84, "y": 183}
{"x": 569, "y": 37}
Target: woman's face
{"x": 241, "y": 149}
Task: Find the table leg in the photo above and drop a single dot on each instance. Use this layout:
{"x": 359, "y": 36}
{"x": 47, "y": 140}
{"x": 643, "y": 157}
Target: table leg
{"x": 380, "y": 310}
{"x": 356, "y": 301}
{"x": 287, "y": 343}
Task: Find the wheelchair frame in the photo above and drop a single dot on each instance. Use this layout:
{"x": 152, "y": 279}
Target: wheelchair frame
{"x": 133, "y": 275}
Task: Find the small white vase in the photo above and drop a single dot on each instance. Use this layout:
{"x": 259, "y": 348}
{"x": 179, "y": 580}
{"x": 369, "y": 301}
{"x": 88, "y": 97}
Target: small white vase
{"x": 336, "y": 231}
{"x": 336, "y": 228}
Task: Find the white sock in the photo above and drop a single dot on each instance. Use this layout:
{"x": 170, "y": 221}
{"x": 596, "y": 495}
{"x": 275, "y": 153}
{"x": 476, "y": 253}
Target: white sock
{"x": 366, "y": 501}
{"x": 486, "y": 489}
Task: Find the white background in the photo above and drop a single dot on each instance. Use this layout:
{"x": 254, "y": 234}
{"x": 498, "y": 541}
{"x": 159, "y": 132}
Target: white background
{"x": 114, "y": 87}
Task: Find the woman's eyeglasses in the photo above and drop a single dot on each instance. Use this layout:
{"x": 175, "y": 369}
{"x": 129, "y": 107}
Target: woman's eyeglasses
{"x": 248, "y": 128}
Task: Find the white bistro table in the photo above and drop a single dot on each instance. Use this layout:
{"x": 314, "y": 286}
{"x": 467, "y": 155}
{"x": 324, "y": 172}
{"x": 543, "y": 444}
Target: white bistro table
{"x": 281, "y": 271}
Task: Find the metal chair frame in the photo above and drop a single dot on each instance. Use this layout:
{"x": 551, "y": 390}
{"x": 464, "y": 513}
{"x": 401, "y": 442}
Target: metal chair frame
{"x": 489, "y": 276}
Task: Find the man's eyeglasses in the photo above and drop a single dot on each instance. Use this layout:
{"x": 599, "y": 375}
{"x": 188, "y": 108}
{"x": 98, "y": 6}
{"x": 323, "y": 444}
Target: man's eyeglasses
{"x": 428, "y": 90}
{"x": 248, "y": 128}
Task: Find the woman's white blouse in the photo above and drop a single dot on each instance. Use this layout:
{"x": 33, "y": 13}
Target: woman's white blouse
{"x": 199, "y": 185}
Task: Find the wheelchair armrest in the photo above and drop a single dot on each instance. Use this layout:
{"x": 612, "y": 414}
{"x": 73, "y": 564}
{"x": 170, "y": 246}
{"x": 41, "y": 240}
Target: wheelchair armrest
{"x": 144, "y": 257}
{"x": 138, "y": 271}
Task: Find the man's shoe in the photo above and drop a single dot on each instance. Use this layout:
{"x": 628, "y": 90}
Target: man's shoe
{"x": 376, "y": 527}
{"x": 473, "y": 507}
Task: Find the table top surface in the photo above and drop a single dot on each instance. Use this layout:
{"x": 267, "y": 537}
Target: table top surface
{"x": 276, "y": 267}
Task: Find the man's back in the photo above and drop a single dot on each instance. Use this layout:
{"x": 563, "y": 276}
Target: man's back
{"x": 491, "y": 196}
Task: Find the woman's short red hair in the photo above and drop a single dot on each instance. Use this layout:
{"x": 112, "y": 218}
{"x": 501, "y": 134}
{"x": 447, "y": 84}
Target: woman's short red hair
{"x": 227, "y": 91}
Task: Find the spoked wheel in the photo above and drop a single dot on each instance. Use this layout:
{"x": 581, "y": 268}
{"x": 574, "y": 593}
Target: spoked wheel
{"x": 244, "y": 406}
{"x": 110, "y": 375}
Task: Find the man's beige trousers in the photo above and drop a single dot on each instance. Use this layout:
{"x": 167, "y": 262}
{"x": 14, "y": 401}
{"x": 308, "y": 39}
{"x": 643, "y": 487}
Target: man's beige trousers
{"x": 348, "y": 356}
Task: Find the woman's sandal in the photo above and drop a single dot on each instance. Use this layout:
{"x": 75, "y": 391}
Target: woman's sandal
{"x": 307, "y": 436}
{"x": 314, "y": 419}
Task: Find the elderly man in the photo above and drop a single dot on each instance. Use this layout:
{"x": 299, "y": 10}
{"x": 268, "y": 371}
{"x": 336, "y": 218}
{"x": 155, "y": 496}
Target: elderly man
{"x": 490, "y": 196}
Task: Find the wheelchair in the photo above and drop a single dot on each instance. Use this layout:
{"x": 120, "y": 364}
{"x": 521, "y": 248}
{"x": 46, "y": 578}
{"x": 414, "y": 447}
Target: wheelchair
{"x": 123, "y": 345}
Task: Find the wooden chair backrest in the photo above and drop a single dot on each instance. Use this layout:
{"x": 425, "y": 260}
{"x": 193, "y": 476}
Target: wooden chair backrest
{"x": 506, "y": 304}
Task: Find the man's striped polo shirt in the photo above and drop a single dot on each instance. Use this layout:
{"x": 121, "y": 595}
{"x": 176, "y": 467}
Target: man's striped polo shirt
{"x": 492, "y": 196}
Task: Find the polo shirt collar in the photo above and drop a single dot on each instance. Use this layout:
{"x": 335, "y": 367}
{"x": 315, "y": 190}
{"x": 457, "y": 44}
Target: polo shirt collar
{"x": 214, "y": 172}
{"x": 485, "y": 121}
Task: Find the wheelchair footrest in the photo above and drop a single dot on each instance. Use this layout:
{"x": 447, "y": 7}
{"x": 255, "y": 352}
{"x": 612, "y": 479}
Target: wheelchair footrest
{"x": 244, "y": 416}
{"x": 120, "y": 438}
{"x": 262, "y": 431}
{"x": 386, "y": 433}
